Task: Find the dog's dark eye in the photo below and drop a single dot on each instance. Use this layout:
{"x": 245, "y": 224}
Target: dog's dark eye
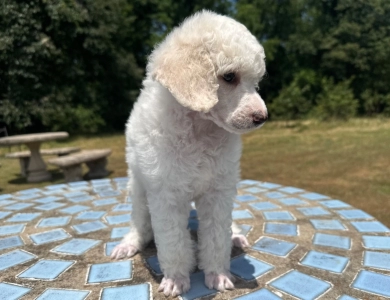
{"x": 229, "y": 77}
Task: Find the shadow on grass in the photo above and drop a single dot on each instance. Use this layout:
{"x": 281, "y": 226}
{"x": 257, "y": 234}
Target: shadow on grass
{"x": 56, "y": 175}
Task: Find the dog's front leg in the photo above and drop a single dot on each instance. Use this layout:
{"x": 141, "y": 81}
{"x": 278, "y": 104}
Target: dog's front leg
{"x": 214, "y": 234}
{"x": 175, "y": 250}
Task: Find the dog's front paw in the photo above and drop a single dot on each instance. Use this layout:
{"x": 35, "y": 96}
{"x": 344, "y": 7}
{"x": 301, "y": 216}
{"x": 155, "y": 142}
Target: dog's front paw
{"x": 220, "y": 282}
{"x": 174, "y": 286}
{"x": 123, "y": 250}
{"x": 240, "y": 241}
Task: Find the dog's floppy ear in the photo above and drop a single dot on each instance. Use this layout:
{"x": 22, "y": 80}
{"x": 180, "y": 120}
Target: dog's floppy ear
{"x": 188, "y": 73}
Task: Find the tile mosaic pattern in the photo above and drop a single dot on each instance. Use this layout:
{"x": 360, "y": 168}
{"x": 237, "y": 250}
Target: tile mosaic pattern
{"x": 300, "y": 245}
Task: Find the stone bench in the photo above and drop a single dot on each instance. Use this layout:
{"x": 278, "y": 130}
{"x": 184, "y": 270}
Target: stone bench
{"x": 24, "y": 156}
{"x": 95, "y": 159}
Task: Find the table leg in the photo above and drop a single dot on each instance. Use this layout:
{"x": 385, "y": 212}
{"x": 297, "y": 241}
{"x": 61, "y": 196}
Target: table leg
{"x": 37, "y": 171}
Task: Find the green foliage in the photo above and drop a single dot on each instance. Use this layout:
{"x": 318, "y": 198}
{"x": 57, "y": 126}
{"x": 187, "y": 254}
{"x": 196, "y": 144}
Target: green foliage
{"x": 297, "y": 99}
{"x": 336, "y": 101}
{"x": 78, "y": 65}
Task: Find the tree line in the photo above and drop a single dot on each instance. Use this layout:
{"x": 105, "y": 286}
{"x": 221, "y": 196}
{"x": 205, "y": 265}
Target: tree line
{"x": 77, "y": 65}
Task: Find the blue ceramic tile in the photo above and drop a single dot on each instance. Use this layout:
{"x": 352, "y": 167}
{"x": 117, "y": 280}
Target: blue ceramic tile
{"x": 354, "y": 214}
{"x": 57, "y": 186}
{"x": 376, "y": 242}
{"x": 74, "y": 209}
{"x": 139, "y": 292}
{"x": 248, "y": 268}
{"x": 75, "y": 194}
{"x": 246, "y": 198}
{"x": 123, "y": 207}
{"x": 46, "y": 269}
{"x": 60, "y": 294}
{"x": 273, "y": 246}
{"x": 327, "y": 224}
{"x": 18, "y": 206}
{"x": 81, "y": 199}
{"x": 193, "y": 224}
{"x": 241, "y": 214}
{"x": 244, "y": 229}
{"x": 53, "y": 222}
{"x": 314, "y": 211}
{"x": 107, "y": 201}
{"x": 4, "y": 214}
{"x": 11, "y": 242}
{"x": 325, "y": 261}
{"x": 48, "y": 199}
{"x": 278, "y": 216}
{"x": 119, "y": 232}
{"x": 314, "y": 196}
{"x": 50, "y": 206}
{"x": 76, "y": 246}
{"x": 154, "y": 265}
{"x": 27, "y": 217}
{"x": 89, "y": 227}
{"x": 27, "y": 197}
{"x": 275, "y": 195}
{"x": 128, "y": 199}
{"x": 193, "y": 213}
{"x": 377, "y": 260}
{"x": 262, "y": 294}
{"x": 11, "y": 229}
{"x": 248, "y": 182}
{"x": 54, "y": 192}
{"x": 109, "y": 194}
{"x": 80, "y": 188}
{"x": 300, "y": 285}
{"x": 369, "y": 226}
{"x": 282, "y": 229}
{"x": 90, "y": 215}
{"x": 346, "y": 297}
{"x": 6, "y": 202}
{"x": 103, "y": 188}
{"x": 292, "y": 202}
{"x": 104, "y": 181}
{"x": 255, "y": 190}
{"x": 198, "y": 288}
{"x": 14, "y": 258}
{"x": 78, "y": 183}
{"x": 49, "y": 236}
{"x": 121, "y": 179}
{"x": 12, "y": 291}
{"x": 5, "y": 196}
{"x": 335, "y": 204}
{"x": 291, "y": 190}
{"x": 268, "y": 185}
{"x": 110, "y": 246}
{"x": 112, "y": 271}
{"x": 330, "y": 240}
{"x": 29, "y": 191}
{"x": 118, "y": 219}
{"x": 235, "y": 205}
{"x": 372, "y": 282}
{"x": 264, "y": 206}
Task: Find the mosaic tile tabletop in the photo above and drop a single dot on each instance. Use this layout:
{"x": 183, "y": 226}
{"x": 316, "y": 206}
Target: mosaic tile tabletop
{"x": 55, "y": 244}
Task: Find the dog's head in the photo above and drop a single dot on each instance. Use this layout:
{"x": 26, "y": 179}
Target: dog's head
{"x": 212, "y": 64}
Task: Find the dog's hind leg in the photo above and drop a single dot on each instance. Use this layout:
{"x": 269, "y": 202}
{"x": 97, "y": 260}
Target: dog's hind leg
{"x": 239, "y": 240}
{"x": 141, "y": 232}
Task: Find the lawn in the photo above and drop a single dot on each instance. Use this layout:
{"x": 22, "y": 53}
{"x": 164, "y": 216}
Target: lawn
{"x": 349, "y": 161}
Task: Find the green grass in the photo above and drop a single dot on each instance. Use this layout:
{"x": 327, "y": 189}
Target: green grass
{"x": 349, "y": 161}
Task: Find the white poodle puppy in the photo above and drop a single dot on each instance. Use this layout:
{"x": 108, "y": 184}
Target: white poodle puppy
{"x": 183, "y": 145}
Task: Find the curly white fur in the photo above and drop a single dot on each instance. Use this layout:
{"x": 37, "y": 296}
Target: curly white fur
{"x": 183, "y": 145}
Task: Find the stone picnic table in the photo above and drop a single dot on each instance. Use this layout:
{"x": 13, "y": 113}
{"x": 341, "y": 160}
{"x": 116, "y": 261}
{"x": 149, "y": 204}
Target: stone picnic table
{"x": 37, "y": 171}
{"x": 55, "y": 243}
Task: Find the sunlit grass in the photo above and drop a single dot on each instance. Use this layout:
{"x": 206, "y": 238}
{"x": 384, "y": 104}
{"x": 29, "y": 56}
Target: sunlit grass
{"x": 349, "y": 161}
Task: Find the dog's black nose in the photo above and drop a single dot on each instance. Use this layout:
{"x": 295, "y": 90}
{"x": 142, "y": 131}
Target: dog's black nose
{"x": 259, "y": 118}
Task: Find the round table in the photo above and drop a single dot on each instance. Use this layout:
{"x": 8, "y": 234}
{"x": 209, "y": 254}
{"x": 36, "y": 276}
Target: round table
{"x": 37, "y": 171}
{"x": 55, "y": 244}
